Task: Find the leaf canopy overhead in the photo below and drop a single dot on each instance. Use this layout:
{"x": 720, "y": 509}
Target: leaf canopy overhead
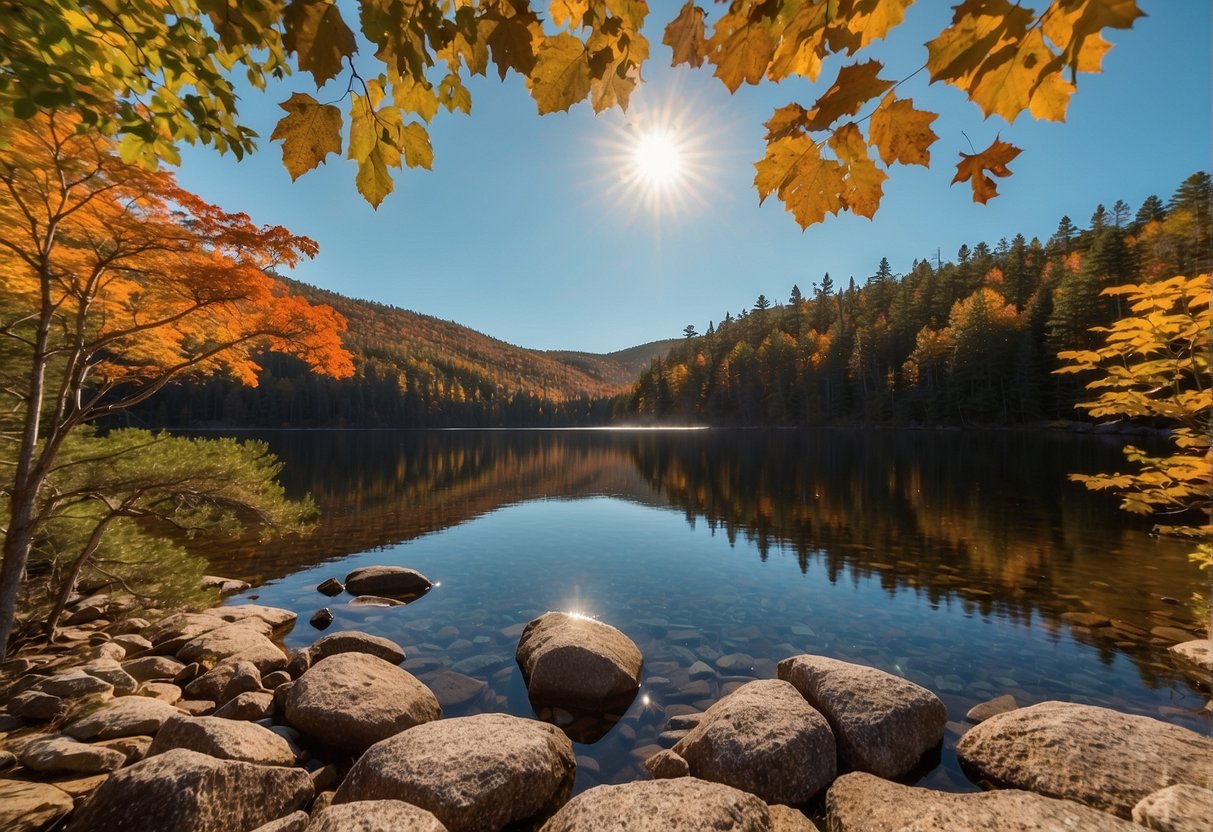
{"x": 162, "y": 72}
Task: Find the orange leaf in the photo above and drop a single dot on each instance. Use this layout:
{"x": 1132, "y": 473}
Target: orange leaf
{"x": 685, "y": 36}
{"x": 902, "y": 134}
{"x": 973, "y": 168}
{"x": 854, "y": 85}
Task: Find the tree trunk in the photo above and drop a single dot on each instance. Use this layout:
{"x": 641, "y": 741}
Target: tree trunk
{"x": 69, "y": 583}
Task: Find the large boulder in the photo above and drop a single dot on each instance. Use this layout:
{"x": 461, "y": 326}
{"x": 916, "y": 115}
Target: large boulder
{"x": 387, "y": 581}
{"x": 129, "y": 716}
{"x": 152, "y": 668}
{"x": 29, "y": 807}
{"x": 575, "y": 661}
{"x": 860, "y": 802}
{"x": 764, "y": 739}
{"x": 883, "y": 724}
{"x": 174, "y": 632}
{"x": 240, "y": 640}
{"x": 273, "y": 617}
{"x": 353, "y": 700}
{"x": 350, "y": 641}
{"x": 375, "y": 816}
{"x": 1195, "y": 658}
{"x": 225, "y": 739}
{"x": 1182, "y": 808}
{"x": 191, "y": 792}
{"x": 662, "y": 805}
{"x": 53, "y": 754}
{"x": 1092, "y": 755}
{"x": 475, "y": 773}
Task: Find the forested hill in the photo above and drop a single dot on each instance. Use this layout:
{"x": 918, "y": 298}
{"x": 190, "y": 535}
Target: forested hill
{"x": 411, "y": 370}
{"x": 971, "y": 341}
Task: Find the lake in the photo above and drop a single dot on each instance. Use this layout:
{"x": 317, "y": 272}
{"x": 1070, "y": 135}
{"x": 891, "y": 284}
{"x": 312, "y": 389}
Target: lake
{"x": 949, "y": 558}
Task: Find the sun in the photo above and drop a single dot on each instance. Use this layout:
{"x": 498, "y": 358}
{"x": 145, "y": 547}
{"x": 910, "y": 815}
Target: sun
{"x": 658, "y": 158}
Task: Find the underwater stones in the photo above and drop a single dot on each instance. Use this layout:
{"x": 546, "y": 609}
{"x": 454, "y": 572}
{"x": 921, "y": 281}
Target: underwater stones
{"x": 860, "y": 802}
{"x": 984, "y": 710}
{"x": 882, "y": 723}
{"x": 353, "y": 700}
{"x": 662, "y": 805}
{"x": 453, "y": 689}
{"x": 764, "y": 739}
{"x": 186, "y": 790}
{"x": 387, "y": 581}
{"x": 576, "y": 661}
{"x": 475, "y": 773}
{"x": 225, "y": 739}
{"x": 1097, "y": 756}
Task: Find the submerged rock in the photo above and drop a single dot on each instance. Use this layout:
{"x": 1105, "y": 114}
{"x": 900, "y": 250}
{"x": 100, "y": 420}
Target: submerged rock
{"x": 475, "y": 773}
{"x": 577, "y": 661}
{"x": 685, "y": 803}
{"x": 353, "y": 700}
{"x": 764, "y": 739}
{"x": 387, "y": 581}
{"x": 984, "y": 710}
{"x": 185, "y": 790}
{"x": 860, "y": 802}
{"x": 882, "y": 723}
{"x": 1195, "y": 659}
{"x": 1092, "y": 755}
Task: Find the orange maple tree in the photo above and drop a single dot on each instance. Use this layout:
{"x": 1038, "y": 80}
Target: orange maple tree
{"x": 114, "y": 281}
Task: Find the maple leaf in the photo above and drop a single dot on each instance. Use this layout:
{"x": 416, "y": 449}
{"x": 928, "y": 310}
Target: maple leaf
{"x": 415, "y": 96}
{"x": 569, "y": 13}
{"x": 741, "y": 49}
{"x": 319, "y": 37}
{"x": 414, "y": 143}
{"x": 1074, "y": 27}
{"x": 863, "y": 181}
{"x": 972, "y": 168}
{"x": 979, "y": 29}
{"x": 869, "y": 20}
{"x": 808, "y": 184}
{"x": 801, "y": 43}
{"x": 786, "y": 121}
{"x": 308, "y": 132}
{"x": 454, "y": 95}
{"x": 512, "y": 46}
{"x": 902, "y": 134}
{"x": 1019, "y": 75}
{"x": 685, "y": 36}
{"x": 855, "y": 85}
{"x": 562, "y": 73}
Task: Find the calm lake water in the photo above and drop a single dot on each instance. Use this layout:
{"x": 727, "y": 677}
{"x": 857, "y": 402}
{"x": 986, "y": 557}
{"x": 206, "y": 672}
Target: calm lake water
{"x": 948, "y": 558}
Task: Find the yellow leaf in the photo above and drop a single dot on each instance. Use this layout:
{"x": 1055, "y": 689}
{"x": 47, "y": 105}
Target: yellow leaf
{"x": 454, "y": 95}
{"x": 801, "y": 44}
{"x": 685, "y": 36}
{"x": 318, "y": 36}
{"x": 863, "y": 180}
{"x": 414, "y": 143}
{"x": 415, "y": 96}
{"x": 787, "y": 120}
{"x": 562, "y": 73}
{"x": 373, "y": 180}
{"x": 902, "y": 134}
{"x": 972, "y": 168}
{"x": 979, "y": 29}
{"x": 855, "y": 85}
{"x": 568, "y": 12}
{"x": 1021, "y": 74}
{"x": 308, "y": 132}
{"x": 809, "y": 185}
{"x": 1074, "y": 28}
{"x": 869, "y": 20}
{"x": 512, "y": 45}
{"x": 741, "y": 50}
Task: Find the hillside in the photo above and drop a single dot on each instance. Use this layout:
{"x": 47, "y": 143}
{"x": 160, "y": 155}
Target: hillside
{"x": 413, "y": 370}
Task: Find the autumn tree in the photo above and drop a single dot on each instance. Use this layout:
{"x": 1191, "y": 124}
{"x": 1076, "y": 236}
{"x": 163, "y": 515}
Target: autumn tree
{"x": 159, "y": 74}
{"x": 116, "y": 281}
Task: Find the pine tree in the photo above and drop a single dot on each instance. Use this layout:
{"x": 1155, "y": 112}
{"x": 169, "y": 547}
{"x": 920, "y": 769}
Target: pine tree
{"x": 1151, "y": 210}
{"x": 795, "y": 298}
{"x": 762, "y": 304}
{"x": 689, "y": 332}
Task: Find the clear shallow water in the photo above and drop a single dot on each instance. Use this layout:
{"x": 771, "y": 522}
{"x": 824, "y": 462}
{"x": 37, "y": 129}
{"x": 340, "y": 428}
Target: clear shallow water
{"x": 946, "y": 558}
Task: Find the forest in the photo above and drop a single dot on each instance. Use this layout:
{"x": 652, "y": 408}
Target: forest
{"x": 973, "y": 341}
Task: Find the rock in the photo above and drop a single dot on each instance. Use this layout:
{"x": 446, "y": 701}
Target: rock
{"x": 860, "y": 802}
{"x": 1195, "y": 658}
{"x": 185, "y": 790}
{"x": 29, "y": 807}
{"x": 127, "y": 626}
{"x": 330, "y": 587}
{"x": 36, "y": 706}
{"x": 133, "y": 748}
{"x": 348, "y": 641}
{"x": 234, "y": 641}
{"x": 353, "y": 700}
{"x": 125, "y": 717}
{"x": 219, "y": 683}
{"x": 1086, "y": 619}
{"x": 225, "y": 586}
{"x": 666, "y": 765}
{"x": 274, "y": 618}
{"x": 73, "y": 684}
{"x": 984, "y": 710}
{"x": 388, "y": 581}
{"x": 172, "y": 633}
{"x": 294, "y": 822}
{"x": 321, "y": 618}
{"x": 882, "y": 723}
{"x": 189, "y": 673}
{"x": 152, "y": 668}
{"x": 684, "y": 803}
{"x": 107, "y": 650}
{"x": 475, "y": 773}
{"x": 478, "y": 664}
{"x": 764, "y": 739}
{"x": 701, "y": 670}
{"x": 164, "y": 691}
{"x": 1174, "y": 635}
{"x": 453, "y": 689}
{"x": 1091, "y": 755}
{"x": 270, "y": 681}
{"x": 249, "y": 706}
{"x": 574, "y": 661}
{"x": 196, "y": 707}
{"x": 375, "y": 816}
{"x": 1180, "y": 808}
{"x": 53, "y": 754}
{"x": 133, "y": 643}
{"x": 7, "y": 760}
{"x": 108, "y": 670}
{"x": 223, "y": 738}
{"x": 375, "y": 601}
{"x": 787, "y": 819}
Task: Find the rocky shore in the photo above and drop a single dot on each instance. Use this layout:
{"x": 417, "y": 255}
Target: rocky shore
{"x": 203, "y": 721}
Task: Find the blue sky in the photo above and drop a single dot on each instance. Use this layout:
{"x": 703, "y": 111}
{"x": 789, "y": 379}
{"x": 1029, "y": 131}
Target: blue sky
{"x": 522, "y": 232}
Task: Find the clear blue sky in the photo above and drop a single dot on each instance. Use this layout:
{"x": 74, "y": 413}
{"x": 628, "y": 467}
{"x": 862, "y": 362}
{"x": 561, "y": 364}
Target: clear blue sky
{"x": 520, "y": 233}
